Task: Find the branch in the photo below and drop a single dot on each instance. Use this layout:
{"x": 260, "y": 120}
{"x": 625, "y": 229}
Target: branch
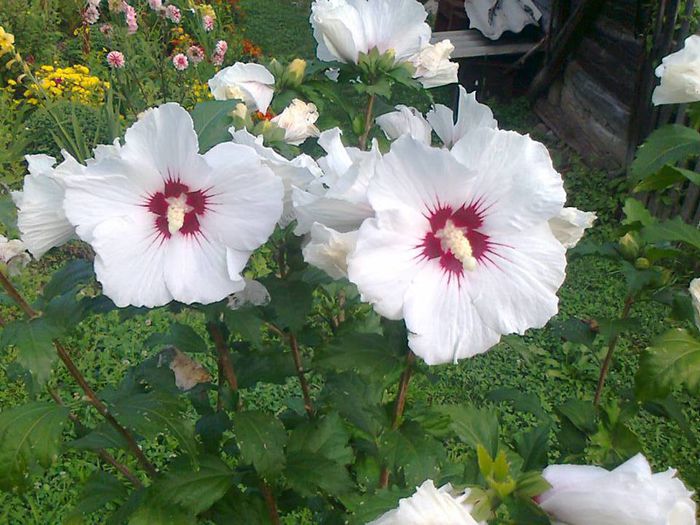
{"x": 608, "y": 357}
{"x": 368, "y": 122}
{"x": 301, "y": 373}
{"x": 225, "y": 364}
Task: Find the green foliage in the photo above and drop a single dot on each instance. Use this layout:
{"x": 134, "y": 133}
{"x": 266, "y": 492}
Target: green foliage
{"x": 666, "y": 145}
{"x": 211, "y": 122}
{"x": 261, "y": 439}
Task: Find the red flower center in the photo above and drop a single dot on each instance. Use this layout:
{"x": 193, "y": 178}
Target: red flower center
{"x": 454, "y": 238}
{"x": 176, "y": 208}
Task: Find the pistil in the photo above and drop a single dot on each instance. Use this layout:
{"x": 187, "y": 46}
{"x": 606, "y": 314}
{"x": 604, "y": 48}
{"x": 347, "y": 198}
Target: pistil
{"x": 454, "y": 240}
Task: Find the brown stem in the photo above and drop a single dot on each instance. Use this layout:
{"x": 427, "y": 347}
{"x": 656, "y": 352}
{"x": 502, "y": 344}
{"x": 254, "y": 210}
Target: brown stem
{"x": 301, "y": 373}
{"x": 103, "y": 410}
{"x": 608, "y": 357}
{"x": 270, "y": 502}
{"x": 225, "y": 364}
{"x": 399, "y": 406}
{"x": 368, "y": 122}
{"x": 16, "y": 296}
{"x": 104, "y": 455}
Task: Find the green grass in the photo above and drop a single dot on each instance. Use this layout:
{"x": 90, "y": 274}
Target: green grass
{"x": 106, "y": 346}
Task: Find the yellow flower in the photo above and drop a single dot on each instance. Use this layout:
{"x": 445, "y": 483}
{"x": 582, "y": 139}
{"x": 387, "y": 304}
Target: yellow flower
{"x": 7, "y": 41}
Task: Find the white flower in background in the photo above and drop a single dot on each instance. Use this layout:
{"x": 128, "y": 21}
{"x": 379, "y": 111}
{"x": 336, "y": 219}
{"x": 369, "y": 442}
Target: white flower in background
{"x": 254, "y": 294}
{"x": 328, "y": 250}
{"x": 570, "y": 225}
{"x": 433, "y": 65}
{"x": 40, "y": 216}
{"x": 470, "y": 115}
{"x": 298, "y": 121}
{"x": 156, "y": 5}
{"x": 300, "y": 172}
{"x": 680, "y": 75}
{"x": 249, "y": 83}
{"x": 430, "y": 506}
{"x": 167, "y": 223}
{"x": 346, "y": 28}
{"x": 694, "y": 290}
{"x": 180, "y": 62}
{"x": 494, "y": 17}
{"x": 336, "y": 203}
{"x": 405, "y": 121}
{"x": 14, "y": 254}
{"x": 460, "y": 246}
{"x": 628, "y": 495}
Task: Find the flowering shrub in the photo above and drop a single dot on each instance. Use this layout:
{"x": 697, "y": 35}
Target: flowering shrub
{"x": 293, "y": 238}
{"x": 75, "y": 83}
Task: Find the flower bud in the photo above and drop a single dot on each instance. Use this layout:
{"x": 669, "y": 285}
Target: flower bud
{"x": 642, "y": 263}
{"x": 629, "y": 246}
{"x": 296, "y": 70}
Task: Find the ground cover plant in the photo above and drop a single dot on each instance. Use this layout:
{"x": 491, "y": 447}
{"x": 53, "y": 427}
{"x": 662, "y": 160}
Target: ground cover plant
{"x": 145, "y": 384}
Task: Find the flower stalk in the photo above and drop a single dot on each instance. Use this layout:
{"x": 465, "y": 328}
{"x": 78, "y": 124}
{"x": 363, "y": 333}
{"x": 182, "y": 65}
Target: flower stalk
{"x": 224, "y": 362}
{"x": 369, "y": 115}
{"x": 605, "y": 368}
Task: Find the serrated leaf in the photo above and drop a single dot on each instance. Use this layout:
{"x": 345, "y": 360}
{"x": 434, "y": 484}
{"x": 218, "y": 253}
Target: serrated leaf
{"x": 100, "y": 489}
{"x": 34, "y": 342}
{"x": 666, "y": 145}
{"x": 211, "y": 122}
{"x": 181, "y": 336}
{"x": 577, "y": 331}
{"x": 519, "y": 400}
{"x": 103, "y": 436}
{"x": 636, "y": 212}
{"x": 261, "y": 439}
{"x": 157, "y": 515}
{"x": 357, "y": 399}
{"x": 672, "y": 360}
{"x": 367, "y": 507}
{"x": 194, "y": 489}
{"x": 68, "y": 278}
{"x": 368, "y": 354}
{"x": 246, "y": 322}
{"x": 473, "y": 426}
{"x": 255, "y": 366}
{"x": 291, "y": 301}
{"x": 30, "y": 437}
{"x": 674, "y": 230}
{"x": 418, "y": 454}
{"x": 533, "y": 447}
{"x": 524, "y": 510}
{"x": 580, "y": 413}
{"x": 327, "y": 437}
{"x": 237, "y": 508}
{"x": 307, "y": 472}
{"x": 153, "y": 413}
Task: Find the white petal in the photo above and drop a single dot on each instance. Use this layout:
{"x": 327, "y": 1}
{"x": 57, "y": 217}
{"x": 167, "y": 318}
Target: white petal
{"x": 338, "y": 29}
{"x": 471, "y": 115}
{"x": 680, "y": 80}
{"x": 405, "y": 121}
{"x": 254, "y": 293}
{"x": 328, "y": 250}
{"x": 251, "y": 83}
{"x": 515, "y": 288}
{"x": 694, "y": 290}
{"x": 396, "y": 25}
{"x": 516, "y": 182}
{"x": 196, "y": 270}
{"x": 509, "y": 16}
{"x": 131, "y": 261}
{"x": 443, "y": 324}
{"x": 386, "y": 260}
{"x": 570, "y": 225}
{"x": 246, "y": 198}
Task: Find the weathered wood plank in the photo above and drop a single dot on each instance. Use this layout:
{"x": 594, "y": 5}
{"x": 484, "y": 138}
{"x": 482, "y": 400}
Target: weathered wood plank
{"x": 470, "y": 43}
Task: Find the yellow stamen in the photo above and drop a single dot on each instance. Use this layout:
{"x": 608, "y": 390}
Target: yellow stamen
{"x": 454, "y": 240}
{"x": 177, "y": 209}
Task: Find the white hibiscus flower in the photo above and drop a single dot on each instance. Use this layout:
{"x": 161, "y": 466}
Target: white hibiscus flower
{"x": 167, "y": 223}
{"x": 570, "y": 225}
{"x": 405, "y": 121}
{"x": 433, "y": 65}
{"x": 694, "y": 290}
{"x": 494, "y": 17}
{"x": 430, "y": 506}
{"x": 254, "y": 294}
{"x": 300, "y": 172}
{"x": 460, "y": 246}
{"x": 328, "y": 250}
{"x": 628, "y": 495}
{"x": 13, "y": 253}
{"x": 346, "y": 28}
{"x": 298, "y": 120}
{"x": 251, "y": 83}
{"x": 680, "y": 75}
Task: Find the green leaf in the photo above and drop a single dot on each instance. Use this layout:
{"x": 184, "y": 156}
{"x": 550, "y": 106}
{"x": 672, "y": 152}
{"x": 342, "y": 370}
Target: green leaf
{"x": 636, "y": 212}
{"x": 237, "y": 508}
{"x": 153, "y": 413}
{"x": 368, "y": 354}
{"x": 194, "y": 490}
{"x": 357, "y": 399}
{"x": 306, "y": 471}
{"x": 211, "y": 122}
{"x": 367, "y": 507}
{"x": 261, "y": 439}
{"x": 524, "y": 510}
{"x": 100, "y": 489}
{"x": 68, "y": 278}
{"x": 580, "y": 413}
{"x": 34, "y": 342}
{"x": 474, "y": 426}
{"x": 533, "y": 447}
{"x": 181, "y": 336}
{"x": 150, "y": 514}
{"x": 520, "y": 401}
{"x": 291, "y": 301}
{"x": 412, "y": 450}
{"x": 667, "y": 177}
{"x": 30, "y": 437}
{"x": 255, "y": 366}
{"x": 246, "y": 322}
{"x": 674, "y": 230}
{"x": 666, "y": 145}
{"x": 672, "y": 360}
{"x": 327, "y": 437}
{"x": 103, "y": 436}
{"x": 576, "y": 331}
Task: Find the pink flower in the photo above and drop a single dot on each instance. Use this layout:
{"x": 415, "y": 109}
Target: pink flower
{"x": 156, "y": 5}
{"x": 208, "y": 23}
{"x": 195, "y": 54}
{"x": 106, "y": 29}
{"x": 115, "y": 59}
{"x": 217, "y": 57}
{"x": 173, "y": 14}
{"x": 91, "y": 14}
{"x": 130, "y": 15}
{"x": 180, "y": 62}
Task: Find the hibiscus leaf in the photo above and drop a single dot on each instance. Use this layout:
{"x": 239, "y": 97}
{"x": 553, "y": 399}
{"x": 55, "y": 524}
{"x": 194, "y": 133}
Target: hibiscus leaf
{"x": 150, "y": 514}
{"x": 307, "y": 472}
{"x": 327, "y": 437}
{"x": 194, "y": 489}
{"x": 418, "y": 454}
{"x": 261, "y": 439}
{"x": 367, "y": 507}
{"x": 181, "y": 336}
{"x": 291, "y": 301}
{"x": 30, "y": 436}
{"x": 238, "y": 508}
{"x": 34, "y": 342}
{"x": 667, "y": 177}
{"x": 211, "y": 122}
{"x": 103, "y": 436}
{"x": 672, "y": 360}
{"x": 255, "y": 366}
{"x": 68, "y": 278}
{"x": 674, "y": 230}
{"x": 100, "y": 489}
{"x": 366, "y": 353}
{"x": 151, "y": 413}
{"x": 666, "y": 145}
{"x": 533, "y": 447}
{"x": 520, "y": 401}
{"x": 473, "y": 426}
